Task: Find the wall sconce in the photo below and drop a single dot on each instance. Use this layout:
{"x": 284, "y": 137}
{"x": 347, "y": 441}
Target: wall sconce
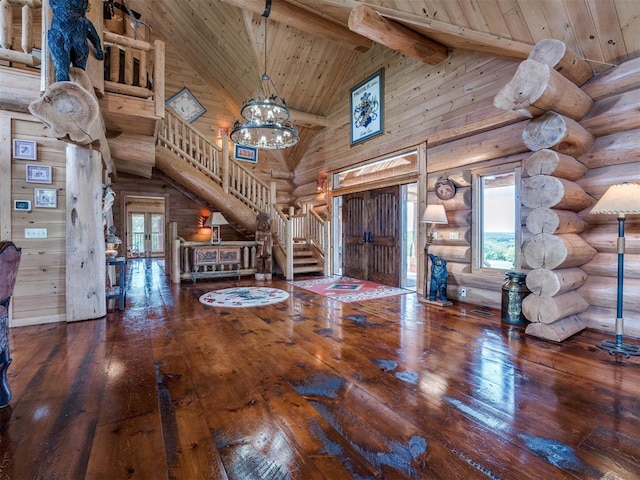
{"x": 621, "y": 199}
{"x": 213, "y": 222}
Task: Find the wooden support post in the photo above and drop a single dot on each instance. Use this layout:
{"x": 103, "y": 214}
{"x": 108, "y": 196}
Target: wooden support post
{"x": 5, "y": 177}
{"x": 551, "y": 220}
{"x": 85, "y": 252}
{"x": 550, "y": 162}
{"x": 553, "y": 282}
{"x": 555, "y": 53}
{"x": 6, "y": 24}
{"x": 27, "y": 29}
{"x": 556, "y": 331}
{"x": 536, "y": 88}
{"x": 175, "y": 252}
{"x": 370, "y": 24}
{"x": 547, "y": 191}
{"x": 557, "y": 132}
{"x": 557, "y": 251}
{"x": 158, "y": 76}
{"x": 226, "y": 164}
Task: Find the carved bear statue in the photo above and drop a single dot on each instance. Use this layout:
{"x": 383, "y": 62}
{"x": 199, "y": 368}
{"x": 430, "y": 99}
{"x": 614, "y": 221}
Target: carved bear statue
{"x": 439, "y": 275}
{"x": 68, "y": 35}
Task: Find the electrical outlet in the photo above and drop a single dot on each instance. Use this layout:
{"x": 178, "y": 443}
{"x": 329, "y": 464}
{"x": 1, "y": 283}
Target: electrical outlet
{"x": 435, "y": 235}
{"x": 463, "y": 292}
{"x": 453, "y": 236}
{"x": 35, "y": 233}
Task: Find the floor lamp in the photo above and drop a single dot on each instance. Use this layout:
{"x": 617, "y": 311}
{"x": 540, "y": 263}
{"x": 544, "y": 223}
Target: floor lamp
{"x": 621, "y": 199}
{"x": 433, "y": 214}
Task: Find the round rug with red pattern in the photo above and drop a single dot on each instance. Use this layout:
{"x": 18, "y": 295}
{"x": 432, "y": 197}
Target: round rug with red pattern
{"x": 238, "y": 297}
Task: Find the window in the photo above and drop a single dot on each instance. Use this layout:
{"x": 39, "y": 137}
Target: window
{"x": 497, "y": 232}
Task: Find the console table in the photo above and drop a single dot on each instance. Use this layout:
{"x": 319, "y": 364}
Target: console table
{"x": 118, "y": 291}
{"x": 215, "y": 261}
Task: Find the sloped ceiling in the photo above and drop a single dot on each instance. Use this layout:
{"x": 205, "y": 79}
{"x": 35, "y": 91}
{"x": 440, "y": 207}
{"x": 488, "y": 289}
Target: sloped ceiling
{"x": 224, "y": 43}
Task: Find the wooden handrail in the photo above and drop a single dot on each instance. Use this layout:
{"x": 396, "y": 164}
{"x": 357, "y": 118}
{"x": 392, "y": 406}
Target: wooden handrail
{"x": 184, "y": 140}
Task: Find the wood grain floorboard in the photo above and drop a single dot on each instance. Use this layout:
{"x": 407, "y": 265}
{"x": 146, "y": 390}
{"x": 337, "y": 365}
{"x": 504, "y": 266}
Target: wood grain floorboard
{"x": 311, "y": 388}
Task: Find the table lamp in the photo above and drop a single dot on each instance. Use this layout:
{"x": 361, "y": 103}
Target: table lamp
{"x": 214, "y": 221}
{"x": 433, "y": 214}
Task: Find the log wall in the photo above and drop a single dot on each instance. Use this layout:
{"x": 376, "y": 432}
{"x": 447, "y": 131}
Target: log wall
{"x": 186, "y": 212}
{"x": 419, "y": 99}
{"x": 39, "y": 295}
{"x": 574, "y": 252}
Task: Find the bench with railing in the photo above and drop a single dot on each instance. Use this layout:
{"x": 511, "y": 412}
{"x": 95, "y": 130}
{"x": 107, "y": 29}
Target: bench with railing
{"x": 197, "y": 260}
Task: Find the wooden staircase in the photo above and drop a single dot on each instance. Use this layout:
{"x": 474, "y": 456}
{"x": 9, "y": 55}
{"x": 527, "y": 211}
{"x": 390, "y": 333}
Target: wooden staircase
{"x": 306, "y": 258}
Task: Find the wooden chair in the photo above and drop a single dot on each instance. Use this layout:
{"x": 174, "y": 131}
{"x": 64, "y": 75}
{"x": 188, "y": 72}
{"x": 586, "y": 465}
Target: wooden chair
{"x": 9, "y": 263}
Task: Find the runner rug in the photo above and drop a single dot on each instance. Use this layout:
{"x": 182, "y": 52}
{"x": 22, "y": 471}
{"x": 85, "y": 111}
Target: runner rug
{"x": 347, "y": 289}
{"x": 242, "y": 297}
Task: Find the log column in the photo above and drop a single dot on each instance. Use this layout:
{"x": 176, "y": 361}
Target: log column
{"x": 556, "y": 251}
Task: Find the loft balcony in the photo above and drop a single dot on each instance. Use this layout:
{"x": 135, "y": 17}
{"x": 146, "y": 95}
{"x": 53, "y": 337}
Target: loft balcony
{"x": 129, "y": 83}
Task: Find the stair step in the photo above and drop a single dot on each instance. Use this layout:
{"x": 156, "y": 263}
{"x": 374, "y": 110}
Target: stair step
{"x": 305, "y": 261}
{"x": 307, "y": 269}
{"x": 303, "y": 253}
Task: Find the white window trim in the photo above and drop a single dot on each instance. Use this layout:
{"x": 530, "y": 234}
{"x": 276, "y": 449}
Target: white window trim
{"x": 476, "y": 221}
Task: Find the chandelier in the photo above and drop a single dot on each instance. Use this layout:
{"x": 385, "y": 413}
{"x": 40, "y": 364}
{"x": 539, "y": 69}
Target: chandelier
{"x": 266, "y": 117}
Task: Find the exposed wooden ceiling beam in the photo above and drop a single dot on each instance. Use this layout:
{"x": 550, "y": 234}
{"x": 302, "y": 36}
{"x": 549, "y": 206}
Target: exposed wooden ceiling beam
{"x": 370, "y": 24}
{"x": 294, "y": 16}
{"x": 308, "y": 120}
{"x": 456, "y": 37}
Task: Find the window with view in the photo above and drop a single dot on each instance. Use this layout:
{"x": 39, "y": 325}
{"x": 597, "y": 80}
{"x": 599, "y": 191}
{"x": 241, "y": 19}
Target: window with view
{"x": 497, "y": 218}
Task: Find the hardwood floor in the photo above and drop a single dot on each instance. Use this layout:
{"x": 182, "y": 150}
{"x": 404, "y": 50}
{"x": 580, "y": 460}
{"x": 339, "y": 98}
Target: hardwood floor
{"x": 312, "y": 388}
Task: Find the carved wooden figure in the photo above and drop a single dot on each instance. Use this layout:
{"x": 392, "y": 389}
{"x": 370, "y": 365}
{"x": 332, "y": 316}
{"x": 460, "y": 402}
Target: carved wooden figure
{"x": 265, "y": 243}
{"x": 9, "y": 263}
{"x": 68, "y": 35}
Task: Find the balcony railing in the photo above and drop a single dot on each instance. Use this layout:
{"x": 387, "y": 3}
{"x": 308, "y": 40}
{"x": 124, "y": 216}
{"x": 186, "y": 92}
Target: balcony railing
{"x": 10, "y": 51}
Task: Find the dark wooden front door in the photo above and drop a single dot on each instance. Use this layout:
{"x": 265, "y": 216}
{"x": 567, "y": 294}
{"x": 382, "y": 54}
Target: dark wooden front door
{"x": 371, "y": 235}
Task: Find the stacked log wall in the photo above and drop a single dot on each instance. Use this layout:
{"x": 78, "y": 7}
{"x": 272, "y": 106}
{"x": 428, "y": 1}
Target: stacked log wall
{"x": 555, "y": 250}
{"x": 614, "y": 158}
{"x": 610, "y": 128}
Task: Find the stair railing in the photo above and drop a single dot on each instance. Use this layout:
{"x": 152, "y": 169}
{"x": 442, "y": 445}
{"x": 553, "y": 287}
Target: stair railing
{"x": 135, "y": 68}
{"x": 22, "y": 53}
{"x": 282, "y": 228}
{"x": 185, "y": 141}
{"x": 307, "y": 227}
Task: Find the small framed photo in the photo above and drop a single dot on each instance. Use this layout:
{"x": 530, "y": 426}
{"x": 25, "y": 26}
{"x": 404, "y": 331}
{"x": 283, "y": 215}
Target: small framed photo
{"x": 38, "y": 174}
{"x": 24, "y": 205}
{"x": 24, "y": 149}
{"x": 246, "y": 154}
{"x": 367, "y": 105}
{"x": 45, "y": 197}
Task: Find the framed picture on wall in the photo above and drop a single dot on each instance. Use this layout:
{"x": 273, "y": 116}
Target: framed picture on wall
{"x": 24, "y": 149}
{"x": 186, "y": 105}
{"x": 38, "y": 174}
{"x": 45, "y": 197}
{"x": 367, "y": 108}
{"x": 246, "y": 154}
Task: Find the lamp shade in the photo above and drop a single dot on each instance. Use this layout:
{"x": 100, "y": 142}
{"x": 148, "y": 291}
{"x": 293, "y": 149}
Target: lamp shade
{"x": 214, "y": 219}
{"x": 619, "y": 198}
{"x": 434, "y": 214}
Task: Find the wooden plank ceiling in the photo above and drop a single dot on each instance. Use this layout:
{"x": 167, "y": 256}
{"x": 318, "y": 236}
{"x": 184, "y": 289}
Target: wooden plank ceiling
{"x": 223, "y": 42}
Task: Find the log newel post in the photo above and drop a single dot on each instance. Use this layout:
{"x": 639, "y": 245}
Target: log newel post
{"x": 226, "y": 164}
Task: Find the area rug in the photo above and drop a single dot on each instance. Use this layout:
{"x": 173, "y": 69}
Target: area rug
{"x": 347, "y": 289}
{"x": 242, "y": 297}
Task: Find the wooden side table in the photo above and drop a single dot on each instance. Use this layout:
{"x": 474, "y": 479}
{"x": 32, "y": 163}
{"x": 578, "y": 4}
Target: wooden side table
{"x": 118, "y": 291}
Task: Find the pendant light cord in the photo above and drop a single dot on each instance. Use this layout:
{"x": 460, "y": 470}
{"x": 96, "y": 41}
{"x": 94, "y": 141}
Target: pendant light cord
{"x": 265, "y": 14}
